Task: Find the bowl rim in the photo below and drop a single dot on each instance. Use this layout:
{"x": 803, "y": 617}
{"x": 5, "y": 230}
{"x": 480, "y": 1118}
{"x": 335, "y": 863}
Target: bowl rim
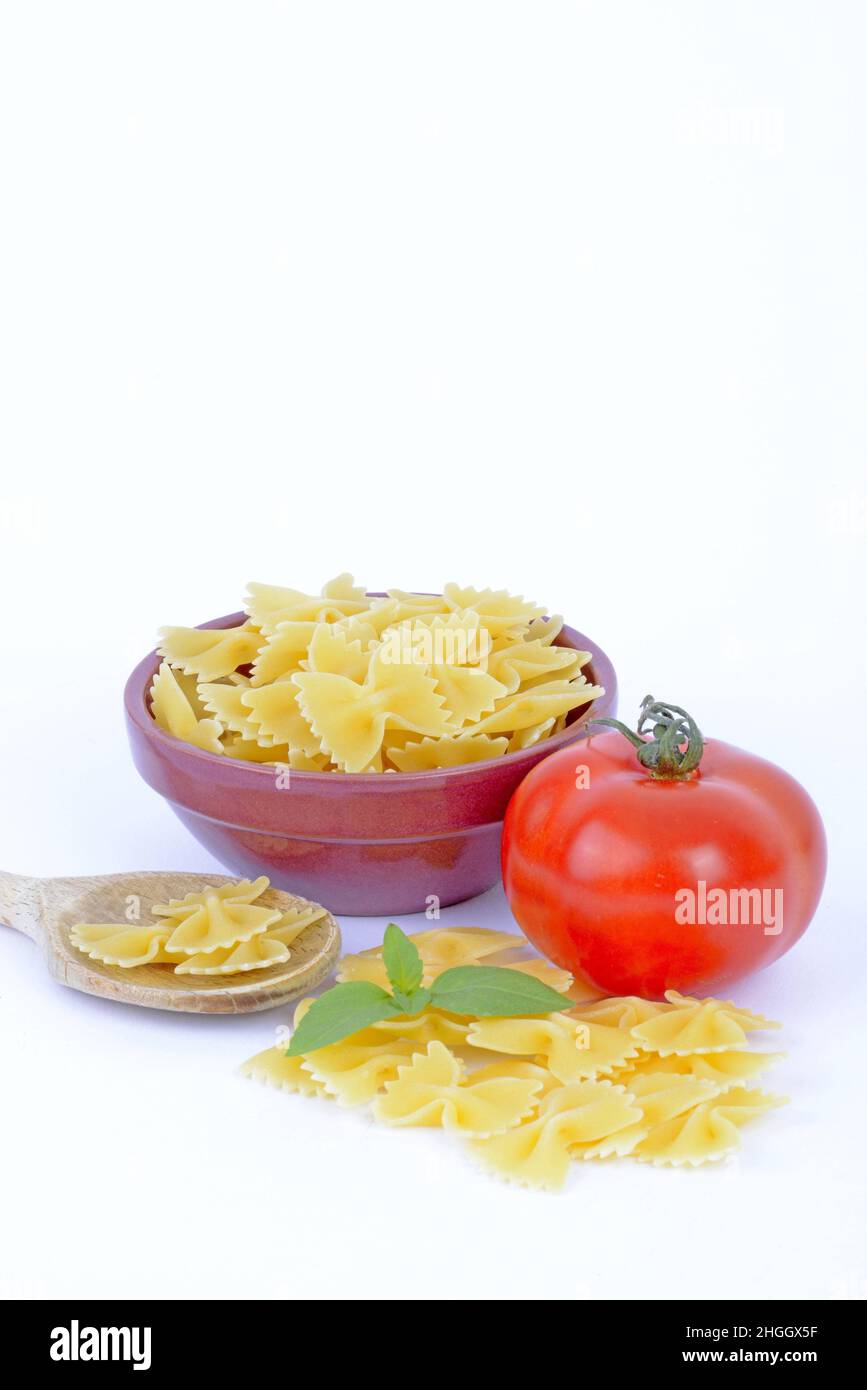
{"x": 140, "y": 678}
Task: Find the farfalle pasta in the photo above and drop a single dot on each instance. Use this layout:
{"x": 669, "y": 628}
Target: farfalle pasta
{"x": 122, "y": 943}
{"x": 345, "y": 682}
{"x": 444, "y": 948}
{"x": 355, "y": 1072}
{"x": 706, "y": 1132}
{"x": 585, "y": 1117}
{"x": 533, "y": 1096}
{"x": 219, "y": 917}
{"x": 572, "y": 1050}
{"x": 432, "y": 1090}
{"x": 217, "y": 931}
{"x": 697, "y": 1025}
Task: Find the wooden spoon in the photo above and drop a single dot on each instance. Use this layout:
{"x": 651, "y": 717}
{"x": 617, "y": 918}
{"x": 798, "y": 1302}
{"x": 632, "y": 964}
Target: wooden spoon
{"x": 46, "y": 909}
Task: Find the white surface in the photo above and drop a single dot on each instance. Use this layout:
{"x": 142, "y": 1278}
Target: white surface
{"x": 568, "y": 298}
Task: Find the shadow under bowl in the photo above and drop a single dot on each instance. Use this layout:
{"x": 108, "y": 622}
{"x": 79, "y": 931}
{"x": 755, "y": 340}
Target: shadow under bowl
{"x": 362, "y": 844}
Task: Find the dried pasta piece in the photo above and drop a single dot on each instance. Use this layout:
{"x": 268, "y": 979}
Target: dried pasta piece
{"x": 625, "y": 1011}
{"x": 372, "y": 968}
{"x": 663, "y": 1095}
{"x": 284, "y": 650}
{"x": 173, "y": 712}
{"x": 725, "y": 1069}
{"x": 551, "y": 975}
{"x": 415, "y": 605}
{"x": 216, "y": 917}
{"x": 430, "y": 1090}
{"x": 209, "y": 653}
{"x": 372, "y": 623}
{"x": 749, "y": 1021}
{"x": 258, "y": 953}
{"x": 512, "y": 1067}
{"x": 536, "y": 705}
{"x": 440, "y": 948}
{"x": 274, "y": 1068}
{"x": 452, "y": 650}
{"x": 525, "y": 738}
{"x": 544, "y": 630}
{"x": 344, "y": 587}
{"x": 446, "y": 752}
{"x": 294, "y": 921}
{"x": 498, "y": 611}
{"x": 572, "y": 1050}
{"x": 584, "y": 1116}
{"x": 468, "y": 692}
{"x": 431, "y": 1026}
{"x": 517, "y": 662}
{"x": 190, "y": 687}
{"x": 296, "y": 760}
{"x": 350, "y": 720}
{"x": 443, "y": 948}
{"x": 269, "y": 605}
{"x": 249, "y": 751}
{"x": 225, "y": 702}
{"x": 330, "y": 650}
{"x": 449, "y": 946}
{"x": 708, "y": 1132}
{"x": 355, "y": 1072}
{"x": 276, "y": 715}
{"x": 700, "y": 1025}
{"x": 122, "y": 943}
{"x": 436, "y": 638}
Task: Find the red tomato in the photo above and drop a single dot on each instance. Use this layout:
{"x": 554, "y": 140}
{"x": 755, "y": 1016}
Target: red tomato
{"x": 643, "y": 882}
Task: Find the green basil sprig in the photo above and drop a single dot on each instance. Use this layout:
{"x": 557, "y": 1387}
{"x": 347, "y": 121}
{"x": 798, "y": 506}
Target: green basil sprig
{"x": 479, "y": 991}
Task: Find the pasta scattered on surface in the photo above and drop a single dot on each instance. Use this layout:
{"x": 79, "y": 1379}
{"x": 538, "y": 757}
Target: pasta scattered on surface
{"x": 442, "y": 949}
{"x": 532, "y": 1096}
{"x": 572, "y": 1050}
{"x": 587, "y": 1116}
{"x": 274, "y": 1068}
{"x": 432, "y": 1090}
{"x": 726, "y": 1069}
{"x": 709, "y": 1131}
{"x": 343, "y": 681}
{"x": 697, "y": 1025}
{"x": 219, "y": 931}
{"x": 355, "y": 1072}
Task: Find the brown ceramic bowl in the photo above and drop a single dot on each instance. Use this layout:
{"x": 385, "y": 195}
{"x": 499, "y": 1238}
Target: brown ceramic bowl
{"x": 362, "y": 844}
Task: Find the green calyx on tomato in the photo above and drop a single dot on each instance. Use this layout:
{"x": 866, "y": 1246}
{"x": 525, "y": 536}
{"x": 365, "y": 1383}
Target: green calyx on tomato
{"x": 663, "y": 754}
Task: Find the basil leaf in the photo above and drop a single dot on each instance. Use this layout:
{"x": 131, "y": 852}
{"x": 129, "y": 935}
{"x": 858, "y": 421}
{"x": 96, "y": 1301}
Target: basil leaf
{"x": 402, "y": 961}
{"x": 338, "y": 1013}
{"x": 494, "y": 991}
{"x": 413, "y": 1003}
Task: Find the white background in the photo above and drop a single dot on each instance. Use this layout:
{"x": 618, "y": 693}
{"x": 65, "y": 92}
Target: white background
{"x": 562, "y": 297}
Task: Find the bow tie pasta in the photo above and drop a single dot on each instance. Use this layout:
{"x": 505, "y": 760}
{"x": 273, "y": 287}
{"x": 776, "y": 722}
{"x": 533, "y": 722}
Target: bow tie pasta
{"x": 533, "y": 1096}
{"x": 343, "y": 681}
{"x": 219, "y": 931}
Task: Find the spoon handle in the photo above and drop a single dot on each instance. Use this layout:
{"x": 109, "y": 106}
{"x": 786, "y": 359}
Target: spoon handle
{"x": 20, "y": 904}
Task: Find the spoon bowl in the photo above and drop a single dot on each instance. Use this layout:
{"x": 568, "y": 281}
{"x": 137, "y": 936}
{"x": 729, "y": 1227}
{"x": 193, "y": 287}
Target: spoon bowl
{"x": 46, "y": 910}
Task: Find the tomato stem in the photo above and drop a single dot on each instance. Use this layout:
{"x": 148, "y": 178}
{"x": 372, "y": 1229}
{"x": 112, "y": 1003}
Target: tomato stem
{"x": 675, "y": 747}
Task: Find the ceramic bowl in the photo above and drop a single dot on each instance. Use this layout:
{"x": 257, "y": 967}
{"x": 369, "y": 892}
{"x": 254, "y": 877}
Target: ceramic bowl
{"x": 362, "y": 844}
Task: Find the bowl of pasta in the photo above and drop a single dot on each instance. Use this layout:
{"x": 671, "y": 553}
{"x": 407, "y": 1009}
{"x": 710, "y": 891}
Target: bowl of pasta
{"x": 361, "y": 748}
